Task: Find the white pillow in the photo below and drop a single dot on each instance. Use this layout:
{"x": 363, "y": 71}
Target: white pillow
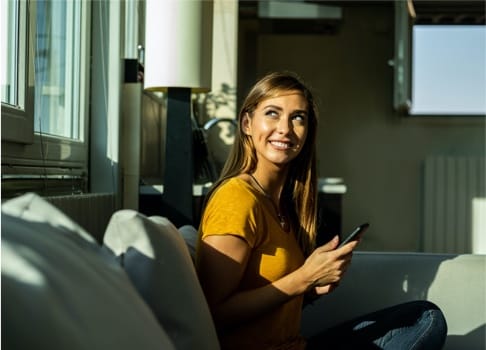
{"x": 158, "y": 262}
{"x": 33, "y": 208}
{"x": 61, "y": 291}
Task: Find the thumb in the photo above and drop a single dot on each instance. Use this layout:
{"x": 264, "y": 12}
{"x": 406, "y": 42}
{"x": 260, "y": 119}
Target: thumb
{"x": 332, "y": 244}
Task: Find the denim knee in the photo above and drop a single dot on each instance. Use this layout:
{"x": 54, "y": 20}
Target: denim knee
{"x": 437, "y": 324}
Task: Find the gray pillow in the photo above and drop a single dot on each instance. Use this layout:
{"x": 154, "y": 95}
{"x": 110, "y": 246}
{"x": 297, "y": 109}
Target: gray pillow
{"x": 158, "y": 262}
{"x": 190, "y": 235}
{"x": 61, "y": 291}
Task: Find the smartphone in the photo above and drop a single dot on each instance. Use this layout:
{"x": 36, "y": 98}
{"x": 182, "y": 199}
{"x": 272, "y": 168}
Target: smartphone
{"x": 354, "y": 235}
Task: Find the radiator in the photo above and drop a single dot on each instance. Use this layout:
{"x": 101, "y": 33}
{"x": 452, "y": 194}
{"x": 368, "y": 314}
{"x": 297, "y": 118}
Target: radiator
{"x": 91, "y": 211}
{"x": 451, "y": 186}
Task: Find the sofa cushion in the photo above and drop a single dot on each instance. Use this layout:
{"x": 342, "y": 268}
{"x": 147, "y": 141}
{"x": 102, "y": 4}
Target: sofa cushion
{"x": 61, "y": 291}
{"x": 158, "y": 262}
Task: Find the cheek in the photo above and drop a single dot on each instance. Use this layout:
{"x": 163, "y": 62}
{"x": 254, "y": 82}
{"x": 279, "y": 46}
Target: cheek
{"x": 262, "y": 127}
{"x": 301, "y": 133}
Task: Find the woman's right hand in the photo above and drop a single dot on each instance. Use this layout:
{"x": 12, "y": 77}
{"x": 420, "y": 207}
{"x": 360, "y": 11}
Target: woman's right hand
{"x": 325, "y": 267}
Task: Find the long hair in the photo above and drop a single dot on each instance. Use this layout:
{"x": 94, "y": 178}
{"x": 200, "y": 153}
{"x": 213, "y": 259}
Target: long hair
{"x": 300, "y": 188}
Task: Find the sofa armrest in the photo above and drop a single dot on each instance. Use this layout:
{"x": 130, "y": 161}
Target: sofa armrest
{"x": 375, "y": 280}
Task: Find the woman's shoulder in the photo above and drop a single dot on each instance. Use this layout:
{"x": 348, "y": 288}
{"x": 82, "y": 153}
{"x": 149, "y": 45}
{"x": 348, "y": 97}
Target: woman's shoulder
{"x": 235, "y": 187}
{"x": 234, "y": 208}
{"x": 233, "y": 198}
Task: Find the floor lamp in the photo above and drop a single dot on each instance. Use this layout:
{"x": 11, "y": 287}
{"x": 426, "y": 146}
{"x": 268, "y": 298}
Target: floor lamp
{"x": 178, "y": 58}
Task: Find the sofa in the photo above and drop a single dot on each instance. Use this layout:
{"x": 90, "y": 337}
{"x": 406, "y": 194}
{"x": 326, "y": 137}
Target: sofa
{"x": 456, "y": 283}
{"x": 139, "y": 289}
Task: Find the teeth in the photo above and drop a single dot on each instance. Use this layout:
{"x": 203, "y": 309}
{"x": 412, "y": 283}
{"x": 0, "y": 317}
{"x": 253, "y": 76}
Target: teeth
{"x": 280, "y": 144}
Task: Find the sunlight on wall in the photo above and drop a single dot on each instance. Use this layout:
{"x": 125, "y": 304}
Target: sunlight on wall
{"x": 479, "y": 226}
{"x": 451, "y": 183}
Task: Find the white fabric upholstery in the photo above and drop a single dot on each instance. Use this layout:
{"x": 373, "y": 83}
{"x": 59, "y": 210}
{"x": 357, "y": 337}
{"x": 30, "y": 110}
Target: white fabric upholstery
{"x": 61, "y": 291}
{"x": 158, "y": 262}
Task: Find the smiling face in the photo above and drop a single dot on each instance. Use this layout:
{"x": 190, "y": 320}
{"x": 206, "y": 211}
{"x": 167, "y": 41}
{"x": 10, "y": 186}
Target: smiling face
{"x": 278, "y": 128}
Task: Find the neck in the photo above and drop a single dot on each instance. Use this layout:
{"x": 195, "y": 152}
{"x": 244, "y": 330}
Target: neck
{"x": 275, "y": 200}
{"x": 271, "y": 183}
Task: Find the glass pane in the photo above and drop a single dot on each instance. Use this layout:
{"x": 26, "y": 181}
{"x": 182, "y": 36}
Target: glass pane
{"x": 448, "y": 69}
{"x": 10, "y": 51}
{"x": 57, "y": 68}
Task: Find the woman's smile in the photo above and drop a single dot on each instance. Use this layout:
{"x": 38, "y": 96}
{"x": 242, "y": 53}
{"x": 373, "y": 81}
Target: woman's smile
{"x": 283, "y": 145}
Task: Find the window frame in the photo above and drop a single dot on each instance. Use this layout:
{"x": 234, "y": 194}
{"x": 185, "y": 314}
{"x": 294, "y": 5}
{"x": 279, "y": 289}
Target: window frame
{"x": 26, "y": 148}
{"x": 18, "y": 121}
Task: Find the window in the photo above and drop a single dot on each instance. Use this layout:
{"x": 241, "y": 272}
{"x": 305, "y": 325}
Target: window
{"x": 440, "y": 58}
{"x": 58, "y": 68}
{"x": 44, "y": 90}
{"x": 11, "y": 53}
{"x": 448, "y": 70}
{"x": 17, "y": 117}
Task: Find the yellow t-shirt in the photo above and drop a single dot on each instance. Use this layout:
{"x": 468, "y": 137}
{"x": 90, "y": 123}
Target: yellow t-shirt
{"x": 238, "y": 209}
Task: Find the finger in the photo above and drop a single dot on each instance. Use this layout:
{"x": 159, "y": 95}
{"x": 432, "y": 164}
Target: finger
{"x": 331, "y": 245}
{"x": 320, "y": 290}
{"x": 347, "y": 248}
{"x": 326, "y": 289}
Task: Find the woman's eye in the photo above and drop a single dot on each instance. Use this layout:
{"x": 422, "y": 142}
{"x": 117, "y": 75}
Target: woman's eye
{"x": 271, "y": 113}
{"x": 299, "y": 117}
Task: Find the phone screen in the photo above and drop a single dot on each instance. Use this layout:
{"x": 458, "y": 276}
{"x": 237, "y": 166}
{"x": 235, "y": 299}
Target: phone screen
{"x": 354, "y": 235}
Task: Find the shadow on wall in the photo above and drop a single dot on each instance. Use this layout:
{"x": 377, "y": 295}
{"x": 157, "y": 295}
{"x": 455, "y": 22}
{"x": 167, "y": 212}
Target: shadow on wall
{"x": 220, "y": 135}
{"x": 456, "y": 283}
{"x": 215, "y": 113}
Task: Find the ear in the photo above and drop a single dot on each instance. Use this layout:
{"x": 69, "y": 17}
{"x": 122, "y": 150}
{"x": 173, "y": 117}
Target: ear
{"x": 246, "y": 124}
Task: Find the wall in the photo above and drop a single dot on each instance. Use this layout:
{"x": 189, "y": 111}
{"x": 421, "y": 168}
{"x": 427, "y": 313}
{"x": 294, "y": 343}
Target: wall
{"x": 361, "y": 139}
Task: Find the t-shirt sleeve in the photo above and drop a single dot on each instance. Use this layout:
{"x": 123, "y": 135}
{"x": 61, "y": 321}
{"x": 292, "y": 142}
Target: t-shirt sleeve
{"x": 231, "y": 210}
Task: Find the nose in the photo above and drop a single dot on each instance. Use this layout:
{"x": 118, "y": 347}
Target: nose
{"x": 284, "y": 125}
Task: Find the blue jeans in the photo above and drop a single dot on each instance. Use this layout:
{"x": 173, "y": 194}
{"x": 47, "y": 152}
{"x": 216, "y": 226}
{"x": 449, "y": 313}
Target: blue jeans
{"x": 413, "y": 325}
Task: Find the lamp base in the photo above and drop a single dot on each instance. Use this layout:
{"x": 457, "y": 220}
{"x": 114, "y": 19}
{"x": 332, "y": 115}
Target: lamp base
{"x": 179, "y": 163}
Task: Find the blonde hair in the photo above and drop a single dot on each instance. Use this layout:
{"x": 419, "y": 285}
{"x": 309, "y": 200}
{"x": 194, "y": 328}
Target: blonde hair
{"x": 300, "y": 188}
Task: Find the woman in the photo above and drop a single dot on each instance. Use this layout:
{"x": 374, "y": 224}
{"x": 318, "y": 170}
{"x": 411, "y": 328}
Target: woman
{"x": 256, "y": 256}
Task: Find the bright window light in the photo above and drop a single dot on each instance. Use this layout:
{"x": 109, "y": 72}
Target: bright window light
{"x": 448, "y": 70}
{"x": 10, "y": 52}
{"x": 58, "y": 68}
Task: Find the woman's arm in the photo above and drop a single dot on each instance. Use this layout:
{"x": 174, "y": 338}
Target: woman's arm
{"x": 222, "y": 261}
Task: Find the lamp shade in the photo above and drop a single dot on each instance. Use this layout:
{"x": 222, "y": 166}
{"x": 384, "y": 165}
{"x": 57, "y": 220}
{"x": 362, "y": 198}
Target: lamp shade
{"x": 178, "y": 44}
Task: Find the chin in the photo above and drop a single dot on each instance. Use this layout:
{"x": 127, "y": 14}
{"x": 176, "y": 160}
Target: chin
{"x": 282, "y": 162}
